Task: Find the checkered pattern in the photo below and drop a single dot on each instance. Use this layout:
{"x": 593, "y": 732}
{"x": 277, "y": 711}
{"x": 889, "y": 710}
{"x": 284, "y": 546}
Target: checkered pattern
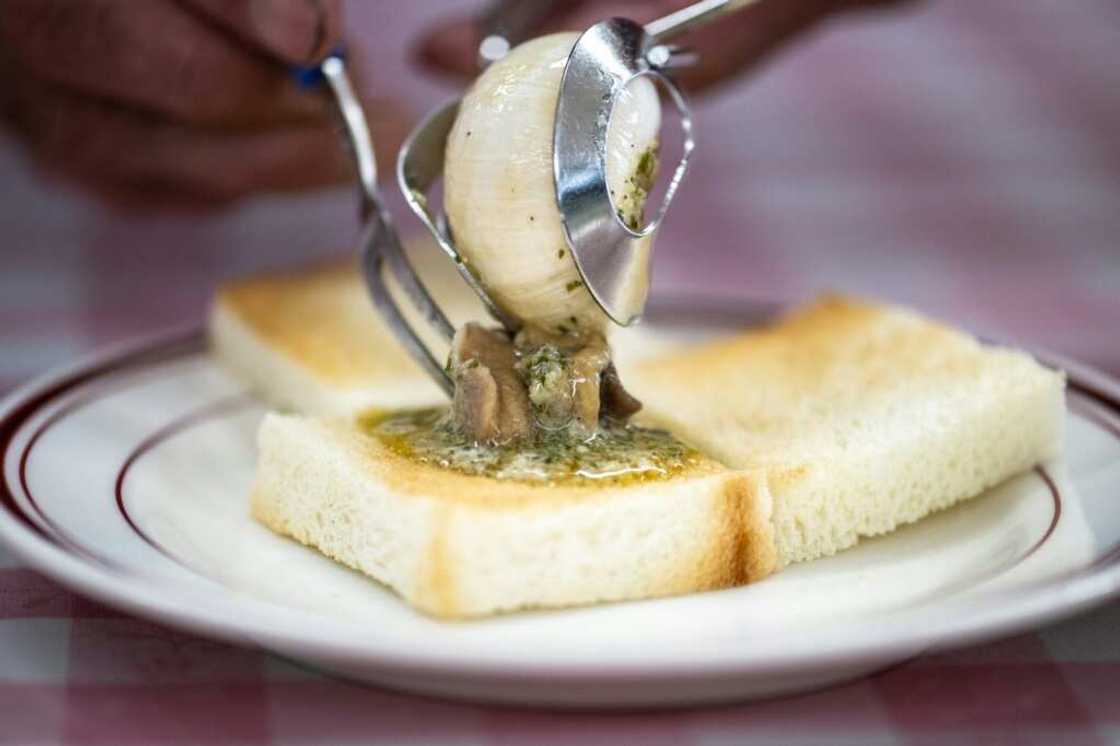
{"x": 73, "y": 672}
{"x": 963, "y": 158}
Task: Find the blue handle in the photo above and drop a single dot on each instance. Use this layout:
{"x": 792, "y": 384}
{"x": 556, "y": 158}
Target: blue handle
{"x": 307, "y": 77}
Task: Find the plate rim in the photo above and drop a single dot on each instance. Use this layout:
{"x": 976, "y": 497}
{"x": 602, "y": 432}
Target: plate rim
{"x": 1088, "y": 587}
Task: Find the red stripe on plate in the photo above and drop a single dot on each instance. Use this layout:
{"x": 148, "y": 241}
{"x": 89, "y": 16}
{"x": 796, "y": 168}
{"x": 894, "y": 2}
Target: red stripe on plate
{"x": 214, "y": 409}
{"x": 177, "y": 345}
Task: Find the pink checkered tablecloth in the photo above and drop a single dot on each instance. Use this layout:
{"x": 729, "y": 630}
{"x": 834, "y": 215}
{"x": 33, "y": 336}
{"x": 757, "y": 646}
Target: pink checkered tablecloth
{"x": 963, "y": 158}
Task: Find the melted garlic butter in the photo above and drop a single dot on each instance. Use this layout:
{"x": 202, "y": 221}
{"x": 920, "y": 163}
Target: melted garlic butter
{"x": 616, "y": 454}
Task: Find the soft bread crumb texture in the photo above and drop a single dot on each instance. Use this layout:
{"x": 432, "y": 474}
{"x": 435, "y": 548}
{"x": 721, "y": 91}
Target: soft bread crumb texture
{"x": 460, "y": 546}
{"x": 863, "y": 417}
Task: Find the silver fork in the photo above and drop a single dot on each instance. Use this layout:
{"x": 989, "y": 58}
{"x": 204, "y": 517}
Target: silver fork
{"x": 380, "y": 245}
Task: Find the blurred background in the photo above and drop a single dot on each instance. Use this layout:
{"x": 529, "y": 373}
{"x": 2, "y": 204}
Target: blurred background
{"x": 960, "y": 157}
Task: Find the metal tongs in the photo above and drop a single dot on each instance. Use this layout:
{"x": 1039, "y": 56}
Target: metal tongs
{"x": 603, "y": 61}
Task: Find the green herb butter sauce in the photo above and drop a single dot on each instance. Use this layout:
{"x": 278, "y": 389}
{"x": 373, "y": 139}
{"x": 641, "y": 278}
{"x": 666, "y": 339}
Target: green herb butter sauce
{"x": 616, "y": 454}
{"x": 631, "y": 203}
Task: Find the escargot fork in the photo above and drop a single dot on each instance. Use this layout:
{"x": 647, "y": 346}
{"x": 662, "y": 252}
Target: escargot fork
{"x": 380, "y": 244}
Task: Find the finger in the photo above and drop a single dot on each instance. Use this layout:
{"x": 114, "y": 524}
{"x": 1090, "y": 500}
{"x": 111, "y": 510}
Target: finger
{"x": 294, "y": 31}
{"x": 125, "y": 150}
{"x": 128, "y": 198}
{"x": 451, "y": 47}
{"x": 745, "y": 39}
{"x": 155, "y": 56}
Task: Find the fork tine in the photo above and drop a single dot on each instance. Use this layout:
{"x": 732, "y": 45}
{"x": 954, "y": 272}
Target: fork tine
{"x": 380, "y": 243}
{"x": 410, "y": 282}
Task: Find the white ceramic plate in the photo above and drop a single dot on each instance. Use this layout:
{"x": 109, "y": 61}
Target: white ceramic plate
{"x": 126, "y": 478}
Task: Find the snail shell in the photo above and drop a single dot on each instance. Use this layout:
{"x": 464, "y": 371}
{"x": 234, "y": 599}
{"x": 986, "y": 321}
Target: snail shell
{"x": 499, "y": 192}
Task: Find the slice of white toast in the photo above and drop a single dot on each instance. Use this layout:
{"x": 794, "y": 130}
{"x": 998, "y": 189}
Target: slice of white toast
{"x": 864, "y": 417}
{"x": 455, "y": 545}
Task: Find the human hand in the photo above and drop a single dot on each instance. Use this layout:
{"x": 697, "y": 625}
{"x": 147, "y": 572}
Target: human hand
{"x": 182, "y": 103}
{"x": 728, "y": 47}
